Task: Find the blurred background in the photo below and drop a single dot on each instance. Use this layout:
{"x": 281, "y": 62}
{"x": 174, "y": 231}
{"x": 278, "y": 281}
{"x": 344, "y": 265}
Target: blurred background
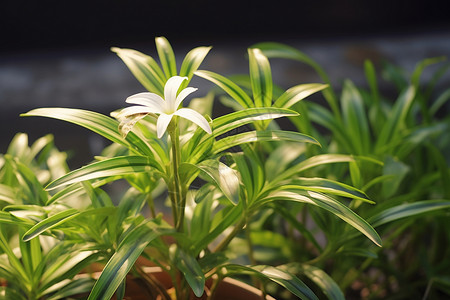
{"x": 57, "y": 53}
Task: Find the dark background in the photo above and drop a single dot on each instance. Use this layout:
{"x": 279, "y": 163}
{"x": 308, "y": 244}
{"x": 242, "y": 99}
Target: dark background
{"x": 32, "y": 25}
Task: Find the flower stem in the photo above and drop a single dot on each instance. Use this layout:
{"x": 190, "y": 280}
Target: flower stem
{"x": 176, "y": 192}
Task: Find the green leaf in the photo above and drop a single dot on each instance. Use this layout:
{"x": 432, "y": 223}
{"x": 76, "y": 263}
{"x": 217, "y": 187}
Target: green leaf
{"x": 225, "y": 177}
{"x": 124, "y": 258}
{"x": 326, "y": 284}
{"x": 228, "y": 86}
{"x": 191, "y": 62}
{"x": 117, "y": 166}
{"x": 7, "y": 194}
{"x": 236, "y": 119}
{"x": 49, "y": 223}
{"x": 440, "y": 101}
{"x": 396, "y": 119}
{"x": 261, "y": 78}
{"x": 313, "y": 162}
{"x": 7, "y": 293}
{"x": 280, "y": 158}
{"x": 278, "y": 50}
{"x": 7, "y": 218}
{"x": 14, "y": 261}
{"x": 369, "y": 71}
{"x": 166, "y": 56}
{"x": 98, "y": 123}
{"x": 397, "y": 170}
{"x": 222, "y": 221}
{"x": 278, "y": 275}
{"x": 328, "y": 203}
{"x": 415, "y": 77}
{"x": 190, "y": 268}
{"x": 328, "y": 186}
{"x": 75, "y": 287}
{"x": 144, "y": 68}
{"x": 298, "y": 93}
{"x": 407, "y": 210}
{"x": 261, "y": 136}
{"x": 355, "y": 119}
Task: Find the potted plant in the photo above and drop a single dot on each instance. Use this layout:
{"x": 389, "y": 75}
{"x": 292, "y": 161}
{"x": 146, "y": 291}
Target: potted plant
{"x": 219, "y": 176}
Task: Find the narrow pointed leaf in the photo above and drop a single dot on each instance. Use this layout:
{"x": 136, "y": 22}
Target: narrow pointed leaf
{"x": 228, "y": 86}
{"x": 329, "y": 204}
{"x": 261, "y": 78}
{"x": 117, "y": 166}
{"x": 98, "y": 123}
{"x": 278, "y": 50}
{"x": 188, "y": 265}
{"x": 49, "y": 223}
{"x": 282, "y": 277}
{"x": 396, "y": 119}
{"x": 236, "y": 119}
{"x": 409, "y": 209}
{"x": 314, "y": 162}
{"x": 298, "y": 93}
{"x": 225, "y": 177}
{"x": 123, "y": 259}
{"x": 166, "y": 56}
{"x": 191, "y": 63}
{"x": 355, "y": 119}
{"x": 330, "y": 187}
{"x": 7, "y": 194}
{"x": 262, "y": 136}
{"x": 144, "y": 68}
{"x": 326, "y": 284}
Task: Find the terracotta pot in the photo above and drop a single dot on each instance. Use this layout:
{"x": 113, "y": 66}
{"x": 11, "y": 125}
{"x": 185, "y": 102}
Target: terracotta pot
{"x": 228, "y": 289}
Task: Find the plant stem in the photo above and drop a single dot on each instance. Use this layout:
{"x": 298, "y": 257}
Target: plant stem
{"x": 151, "y": 205}
{"x": 177, "y": 198}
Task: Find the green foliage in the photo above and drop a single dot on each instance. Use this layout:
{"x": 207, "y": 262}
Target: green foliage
{"x": 300, "y": 211}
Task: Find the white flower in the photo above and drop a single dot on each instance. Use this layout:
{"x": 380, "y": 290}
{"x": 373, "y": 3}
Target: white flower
{"x": 150, "y": 103}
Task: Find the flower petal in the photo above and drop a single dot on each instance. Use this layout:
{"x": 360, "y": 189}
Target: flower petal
{"x": 151, "y": 100}
{"x": 171, "y": 89}
{"x": 132, "y": 110}
{"x": 162, "y": 123}
{"x": 195, "y": 117}
{"x": 182, "y": 95}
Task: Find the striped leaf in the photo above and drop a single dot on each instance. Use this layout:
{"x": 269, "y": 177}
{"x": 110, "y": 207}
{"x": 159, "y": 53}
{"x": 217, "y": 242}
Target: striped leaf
{"x": 283, "y": 278}
{"x": 298, "y": 93}
{"x": 144, "y": 68}
{"x": 166, "y": 56}
{"x": 49, "y": 223}
{"x": 261, "y": 78}
{"x": 98, "y": 123}
{"x": 261, "y": 136}
{"x": 123, "y": 259}
{"x": 327, "y": 285}
{"x": 191, "y": 62}
{"x": 117, "y": 166}
{"x": 228, "y": 86}
{"x": 330, "y": 204}
{"x": 407, "y": 210}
